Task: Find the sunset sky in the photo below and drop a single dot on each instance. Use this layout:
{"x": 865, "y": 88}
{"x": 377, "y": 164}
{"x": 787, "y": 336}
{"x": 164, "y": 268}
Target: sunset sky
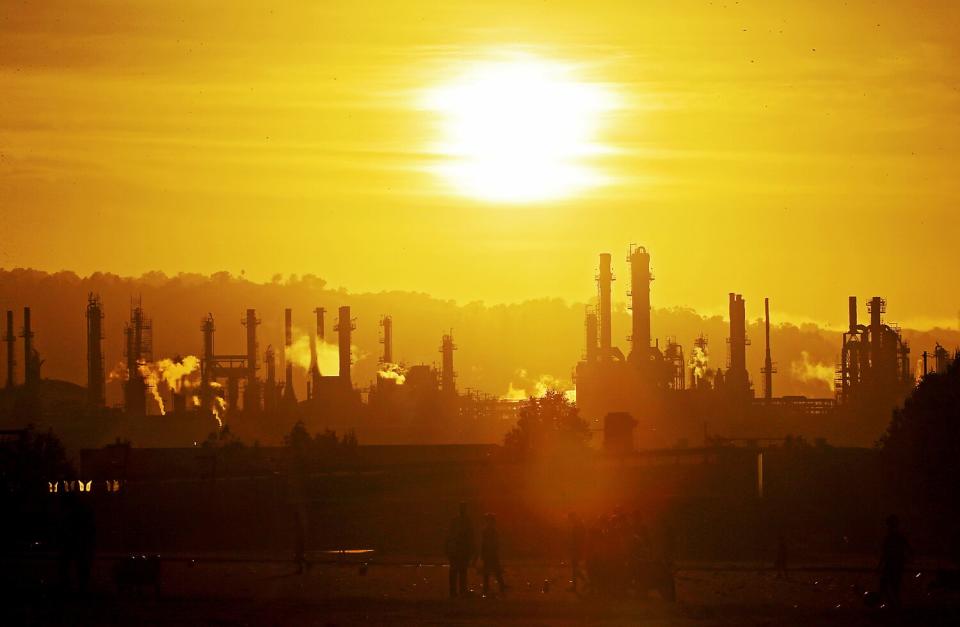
{"x": 803, "y": 151}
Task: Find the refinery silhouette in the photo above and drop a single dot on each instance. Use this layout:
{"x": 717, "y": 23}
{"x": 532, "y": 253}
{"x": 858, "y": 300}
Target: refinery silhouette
{"x": 623, "y": 484}
{"x": 672, "y": 395}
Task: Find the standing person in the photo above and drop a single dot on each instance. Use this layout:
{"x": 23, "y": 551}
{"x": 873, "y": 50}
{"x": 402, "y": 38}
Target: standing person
{"x": 460, "y": 551}
{"x": 893, "y": 559}
{"x": 300, "y": 541}
{"x": 780, "y": 563}
{"x": 77, "y": 538}
{"x": 575, "y": 548}
{"x": 490, "y": 552}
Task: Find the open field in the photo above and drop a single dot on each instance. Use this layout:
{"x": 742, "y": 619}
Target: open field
{"x": 265, "y": 592}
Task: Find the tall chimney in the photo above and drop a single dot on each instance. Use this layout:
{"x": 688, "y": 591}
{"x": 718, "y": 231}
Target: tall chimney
{"x": 11, "y": 340}
{"x": 289, "y": 395}
{"x": 139, "y": 335}
{"x": 640, "y": 278}
{"x": 737, "y": 378}
{"x": 96, "y": 380}
{"x": 447, "y": 374}
{"x": 604, "y": 280}
{"x": 387, "y": 340}
{"x": 30, "y": 370}
{"x": 344, "y": 328}
{"x": 270, "y": 394}
{"x": 852, "y": 308}
{"x": 314, "y": 368}
{"x": 768, "y": 368}
{"x": 319, "y": 338}
{"x": 251, "y": 389}
{"x": 877, "y": 307}
{"x": 207, "y": 364}
{"x": 591, "y": 327}
{"x": 321, "y": 332}
{"x": 314, "y": 383}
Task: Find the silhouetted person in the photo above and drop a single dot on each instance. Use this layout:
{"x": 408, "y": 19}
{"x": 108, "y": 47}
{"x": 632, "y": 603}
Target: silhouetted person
{"x": 490, "y": 552}
{"x": 575, "y": 548}
{"x": 77, "y": 541}
{"x": 460, "y": 551}
{"x": 893, "y": 559}
{"x": 640, "y": 557}
{"x": 299, "y": 542}
{"x": 780, "y": 561}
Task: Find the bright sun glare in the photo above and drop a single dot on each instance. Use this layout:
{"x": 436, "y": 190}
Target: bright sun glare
{"x": 520, "y": 130}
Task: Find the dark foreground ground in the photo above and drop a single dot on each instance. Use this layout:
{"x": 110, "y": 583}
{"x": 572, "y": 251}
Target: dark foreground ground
{"x": 204, "y": 592}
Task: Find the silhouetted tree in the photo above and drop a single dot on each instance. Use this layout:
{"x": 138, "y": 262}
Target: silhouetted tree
{"x": 921, "y": 451}
{"x": 322, "y": 446}
{"x": 28, "y": 461}
{"x": 31, "y": 459}
{"x": 298, "y": 437}
{"x": 547, "y": 426}
{"x": 223, "y": 438}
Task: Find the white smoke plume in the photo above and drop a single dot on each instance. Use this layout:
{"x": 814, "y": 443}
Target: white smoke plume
{"x": 165, "y": 374}
{"x": 219, "y": 407}
{"x": 179, "y": 375}
{"x": 151, "y": 378}
{"x": 392, "y": 371}
{"x": 805, "y": 370}
{"x": 699, "y": 362}
{"x": 537, "y": 387}
{"x": 328, "y": 354}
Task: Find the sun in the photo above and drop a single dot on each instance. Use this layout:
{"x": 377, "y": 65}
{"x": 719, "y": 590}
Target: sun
{"x": 518, "y": 131}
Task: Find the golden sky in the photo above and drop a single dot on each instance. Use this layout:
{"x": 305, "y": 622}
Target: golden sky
{"x": 798, "y": 150}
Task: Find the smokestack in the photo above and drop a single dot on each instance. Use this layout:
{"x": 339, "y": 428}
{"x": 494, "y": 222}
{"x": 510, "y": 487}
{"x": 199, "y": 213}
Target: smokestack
{"x": 139, "y": 332}
{"x": 344, "y": 328}
{"x": 11, "y": 340}
{"x": 387, "y": 340}
{"x": 270, "y": 394}
{"x": 206, "y": 364}
{"x": 314, "y": 365}
{"x": 289, "y": 396}
{"x": 768, "y": 368}
{"x": 251, "y": 389}
{"x": 877, "y": 307}
{"x": 320, "y": 311}
{"x": 314, "y": 383}
{"x": 640, "y": 278}
{"x": 447, "y": 374}
{"x": 737, "y": 378}
{"x": 852, "y": 307}
{"x": 96, "y": 392}
{"x": 591, "y": 326}
{"x": 604, "y": 280}
{"x": 30, "y": 369}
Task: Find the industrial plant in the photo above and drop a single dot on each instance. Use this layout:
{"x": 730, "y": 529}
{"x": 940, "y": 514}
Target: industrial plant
{"x": 650, "y": 395}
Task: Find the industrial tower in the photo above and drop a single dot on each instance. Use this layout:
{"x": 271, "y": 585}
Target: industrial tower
{"x": 139, "y": 351}
{"x": 386, "y": 324}
{"x": 447, "y": 374}
{"x": 769, "y": 369}
{"x": 289, "y": 395}
{"x": 344, "y": 328}
{"x": 11, "y": 341}
{"x": 96, "y": 381}
{"x": 640, "y": 278}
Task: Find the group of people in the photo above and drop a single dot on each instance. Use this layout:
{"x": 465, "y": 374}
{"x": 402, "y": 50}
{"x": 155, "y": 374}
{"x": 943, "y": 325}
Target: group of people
{"x": 616, "y": 556}
{"x": 613, "y": 557}
{"x": 461, "y": 551}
